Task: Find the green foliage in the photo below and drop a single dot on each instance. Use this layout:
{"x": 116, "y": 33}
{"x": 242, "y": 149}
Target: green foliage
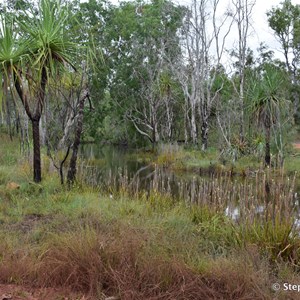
{"x": 131, "y": 37}
{"x": 42, "y": 39}
{"x": 48, "y": 37}
{"x": 267, "y": 96}
{"x": 284, "y": 21}
{"x": 131, "y": 68}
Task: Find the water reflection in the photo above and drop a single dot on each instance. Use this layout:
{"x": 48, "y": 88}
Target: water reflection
{"x": 264, "y": 195}
{"x": 232, "y": 212}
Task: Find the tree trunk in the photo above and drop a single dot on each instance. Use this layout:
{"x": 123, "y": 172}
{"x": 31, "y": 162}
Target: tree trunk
{"x": 193, "y": 124}
{"x": 169, "y": 123}
{"x": 241, "y": 97}
{"x": 204, "y": 134}
{"x": 61, "y": 166}
{"x": 8, "y": 120}
{"x": 186, "y": 123}
{"x": 71, "y": 176}
{"x": 37, "y": 173}
{"x": 267, "y": 146}
{"x": 35, "y": 119}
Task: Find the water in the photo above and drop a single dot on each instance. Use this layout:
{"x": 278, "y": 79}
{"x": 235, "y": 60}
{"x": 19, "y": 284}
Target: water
{"x": 115, "y": 168}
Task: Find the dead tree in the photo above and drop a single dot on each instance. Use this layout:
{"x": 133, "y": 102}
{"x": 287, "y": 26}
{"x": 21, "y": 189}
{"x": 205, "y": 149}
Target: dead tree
{"x": 242, "y": 18}
{"x": 203, "y": 42}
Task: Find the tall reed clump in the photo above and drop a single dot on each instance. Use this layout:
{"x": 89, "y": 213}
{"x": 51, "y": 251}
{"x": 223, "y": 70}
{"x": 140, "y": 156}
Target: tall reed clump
{"x": 169, "y": 154}
{"x": 275, "y": 239}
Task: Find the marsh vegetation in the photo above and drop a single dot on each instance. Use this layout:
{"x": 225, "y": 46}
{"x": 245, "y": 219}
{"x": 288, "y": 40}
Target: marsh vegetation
{"x": 186, "y": 185}
{"x": 216, "y": 237}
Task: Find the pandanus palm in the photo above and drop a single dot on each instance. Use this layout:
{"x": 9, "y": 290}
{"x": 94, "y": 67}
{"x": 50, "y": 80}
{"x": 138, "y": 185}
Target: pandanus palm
{"x": 45, "y": 50}
{"x": 12, "y": 50}
{"x": 267, "y": 101}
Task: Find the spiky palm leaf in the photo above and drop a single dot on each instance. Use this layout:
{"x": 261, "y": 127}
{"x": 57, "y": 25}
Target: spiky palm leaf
{"x": 267, "y": 100}
{"x": 48, "y": 37}
{"x": 266, "y": 95}
{"x": 13, "y": 51}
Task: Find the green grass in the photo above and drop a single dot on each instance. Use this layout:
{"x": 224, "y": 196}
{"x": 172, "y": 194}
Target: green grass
{"x": 292, "y": 162}
{"x": 188, "y": 159}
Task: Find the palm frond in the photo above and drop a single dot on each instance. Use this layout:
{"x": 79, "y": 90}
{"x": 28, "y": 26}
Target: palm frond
{"x": 266, "y": 94}
{"x": 13, "y": 51}
{"x": 50, "y": 43}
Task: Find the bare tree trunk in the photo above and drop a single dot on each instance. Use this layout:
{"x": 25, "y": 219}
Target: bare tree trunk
{"x": 241, "y": 110}
{"x": 186, "y": 122}
{"x": 204, "y": 132}
{"x": 169, "y": 120}
{"x": 267, "y": 142}
{"x": 243, "y": 11}
{"x": 71, "y": 176}
{"x": 35, "y": 119}
{"x": 155, "y": 133}
{"x": 193, "y": 124}
{"x": 61, "y": 166}
{"x": 37, "y": 174}
{"x": 198, "y": 78}
{"x": 8, "y": 119}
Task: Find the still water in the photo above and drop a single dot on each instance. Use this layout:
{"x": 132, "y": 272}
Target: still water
{"x": 114, "y": 169}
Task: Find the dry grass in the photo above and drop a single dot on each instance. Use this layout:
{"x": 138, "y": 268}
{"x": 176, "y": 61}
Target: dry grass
{"x": 102, "y": 266}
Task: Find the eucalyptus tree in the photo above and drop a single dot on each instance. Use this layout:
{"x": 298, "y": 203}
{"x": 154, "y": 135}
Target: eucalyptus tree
{"x": 242, "y": 17}
{"x": 285, "y": 22}
{"x": 39, "y": 51}
{"x": 227, "y": 116}
{"x": 168, "y": 92}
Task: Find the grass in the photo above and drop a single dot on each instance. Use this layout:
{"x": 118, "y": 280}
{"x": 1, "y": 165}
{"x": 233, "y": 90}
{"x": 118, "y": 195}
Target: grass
{"x": 180, "y": 158}
{"x": 145, "y": 246}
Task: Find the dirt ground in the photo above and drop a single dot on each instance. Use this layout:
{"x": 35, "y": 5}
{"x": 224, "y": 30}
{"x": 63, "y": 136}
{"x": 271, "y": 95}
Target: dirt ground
{"x": 296, "y": 145}
{"x": 16, "y": 292}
